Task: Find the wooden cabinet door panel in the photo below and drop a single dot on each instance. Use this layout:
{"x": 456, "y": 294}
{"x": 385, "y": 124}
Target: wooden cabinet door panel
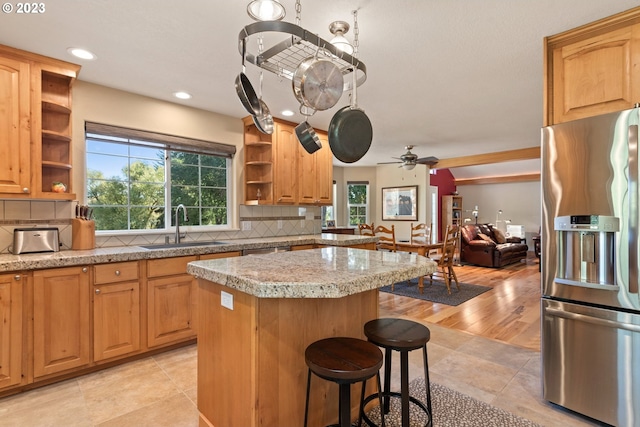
{"x": 285, "y": 161}
{"x": 315, "y": 174}
{"x": 306, "y": 177}
{"x": 15, "y": 127}
{"x": 60, "y": 319}
{"x": 171, "y": 309}
{"x": 116, "y": 320}
{"x": 597, "y": 75}
{"x": 10, "y": 329}
{"x": 324, "y": 172}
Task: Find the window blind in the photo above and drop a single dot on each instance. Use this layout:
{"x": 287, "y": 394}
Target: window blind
{"x": 116, "y": 134}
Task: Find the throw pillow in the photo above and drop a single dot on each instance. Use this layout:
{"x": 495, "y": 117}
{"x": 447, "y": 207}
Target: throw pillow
{"x": 500, "y": 238}
{"x": 485, "y": 237}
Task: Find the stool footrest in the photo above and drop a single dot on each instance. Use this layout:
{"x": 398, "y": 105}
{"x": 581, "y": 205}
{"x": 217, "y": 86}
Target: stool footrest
{"x": 412, "y": 399}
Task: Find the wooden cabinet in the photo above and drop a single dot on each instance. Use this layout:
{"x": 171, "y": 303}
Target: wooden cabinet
{"x": 171, "y": 301}
{"x": 116, "y": 310}
{"x": 258, "y": 165}
{"x": 61, "y": 319}
{"x": 11, "y": 328}
{"x": 315, "y": 174}
{"x": 35, "y": 125}
{"x": 593, "y": 69}
{"x": 15, "y": 152}
{"x": 451, "y": 212}
{"x": 285, "y": 162}
{"x": 279, "y": 171}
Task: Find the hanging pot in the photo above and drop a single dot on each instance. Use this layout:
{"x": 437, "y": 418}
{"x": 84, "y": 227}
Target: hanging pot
{"x": 263, "y": 120}
{"x": 308, "y": 137}
{"x": 245, "y": 90}
{"x": 350, "y": 131}
{"x": 318, "y": 83}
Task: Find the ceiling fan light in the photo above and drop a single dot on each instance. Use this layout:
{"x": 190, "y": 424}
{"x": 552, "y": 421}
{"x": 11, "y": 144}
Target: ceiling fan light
{"x": 408, "y": 166}
{"x": 266, "y": 10}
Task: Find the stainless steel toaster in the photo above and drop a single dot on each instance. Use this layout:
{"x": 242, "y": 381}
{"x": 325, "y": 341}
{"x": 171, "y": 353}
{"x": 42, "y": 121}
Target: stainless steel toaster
{"x": 29, "y": 240}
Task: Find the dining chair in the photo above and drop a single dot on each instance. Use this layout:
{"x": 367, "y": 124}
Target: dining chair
{"x": 366, "y": 229}
{"x": 387, "y": 238}
{"x": 386, "y": 241}
{"x": 446, "y": 259}
{"x": 420, "y": 233}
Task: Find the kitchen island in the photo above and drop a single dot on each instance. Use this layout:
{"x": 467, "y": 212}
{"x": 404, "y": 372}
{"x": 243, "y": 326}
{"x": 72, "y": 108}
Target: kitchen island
{"x": 258, "y": 313}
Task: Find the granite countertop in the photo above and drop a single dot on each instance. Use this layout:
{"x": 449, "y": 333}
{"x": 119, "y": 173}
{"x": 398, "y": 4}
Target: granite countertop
{"x": 10, "y": 262}
{"x": 331, "y": 272}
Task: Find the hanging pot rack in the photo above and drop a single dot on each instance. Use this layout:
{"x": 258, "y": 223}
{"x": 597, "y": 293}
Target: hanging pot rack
{"x": 298, "y": 44}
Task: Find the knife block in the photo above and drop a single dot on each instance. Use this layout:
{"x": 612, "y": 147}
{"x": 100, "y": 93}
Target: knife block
{"x": 83, "y": 234}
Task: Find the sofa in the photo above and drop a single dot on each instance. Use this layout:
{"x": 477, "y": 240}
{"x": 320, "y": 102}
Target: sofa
{"x": 483, "y": 245}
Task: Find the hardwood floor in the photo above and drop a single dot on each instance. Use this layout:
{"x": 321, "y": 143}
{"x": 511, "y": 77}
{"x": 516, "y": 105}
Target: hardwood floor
{"x": 510, "y": 312}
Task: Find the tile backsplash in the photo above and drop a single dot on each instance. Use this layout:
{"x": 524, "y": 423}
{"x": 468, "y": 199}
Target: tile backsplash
{"x": 255, "y": 222}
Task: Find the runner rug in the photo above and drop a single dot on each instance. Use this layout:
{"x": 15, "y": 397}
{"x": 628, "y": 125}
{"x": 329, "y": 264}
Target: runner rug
{"x": 450, "y": 409}
{"x": 437, "y": 292}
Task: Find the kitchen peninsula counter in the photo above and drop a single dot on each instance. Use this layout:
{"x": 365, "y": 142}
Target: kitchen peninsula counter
{"x": 258, "y": 313}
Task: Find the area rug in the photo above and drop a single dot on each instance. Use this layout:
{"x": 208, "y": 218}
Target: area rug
{"x": 437, "y": 292}
{"x": 450, "y": 409}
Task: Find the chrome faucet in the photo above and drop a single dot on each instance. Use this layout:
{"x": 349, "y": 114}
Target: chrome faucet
{"x": 185, "y": 217}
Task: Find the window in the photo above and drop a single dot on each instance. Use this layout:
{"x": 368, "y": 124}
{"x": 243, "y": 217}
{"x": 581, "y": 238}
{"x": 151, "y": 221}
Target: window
{"x": 358, "y": 202}
{"x": 135, "y": 182}
{"x": 329, "y": 212}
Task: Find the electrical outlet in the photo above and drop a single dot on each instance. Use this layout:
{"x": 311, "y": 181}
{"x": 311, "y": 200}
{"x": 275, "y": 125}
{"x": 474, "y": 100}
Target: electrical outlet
{"x": 226, "y": 300}
{"x": 246, "y": 225}
{"x": 279, "y": 224}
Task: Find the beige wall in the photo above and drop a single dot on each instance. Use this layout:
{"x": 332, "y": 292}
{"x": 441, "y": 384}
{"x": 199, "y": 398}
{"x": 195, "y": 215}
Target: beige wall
{"x": 519, "y": 202}
{"x": 394, "y": 176}
{"x": 114, "y": 107}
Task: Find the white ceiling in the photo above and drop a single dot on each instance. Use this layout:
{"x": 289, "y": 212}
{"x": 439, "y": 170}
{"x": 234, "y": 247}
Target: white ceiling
{"x": 451, "y": 77}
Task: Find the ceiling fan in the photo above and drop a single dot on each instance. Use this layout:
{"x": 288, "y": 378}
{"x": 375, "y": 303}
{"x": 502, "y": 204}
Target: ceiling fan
{"x": 409, "y": 160}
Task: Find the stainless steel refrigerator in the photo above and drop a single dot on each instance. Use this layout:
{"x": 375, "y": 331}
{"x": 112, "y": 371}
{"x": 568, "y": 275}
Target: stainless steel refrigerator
{"x": 590, "y": 267}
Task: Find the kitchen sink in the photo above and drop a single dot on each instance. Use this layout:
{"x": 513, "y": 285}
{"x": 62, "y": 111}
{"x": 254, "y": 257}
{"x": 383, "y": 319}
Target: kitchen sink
{"x": 181, "y": 245}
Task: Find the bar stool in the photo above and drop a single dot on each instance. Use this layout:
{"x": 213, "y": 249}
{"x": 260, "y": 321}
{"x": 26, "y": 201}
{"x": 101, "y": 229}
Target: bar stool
{"x": 403, "y": 336}
{"x": 344, "y": 361}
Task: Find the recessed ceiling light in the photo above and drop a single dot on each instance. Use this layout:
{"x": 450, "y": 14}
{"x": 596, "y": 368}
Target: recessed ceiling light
{"x": 81, "y": 53}
{"x": 287, "y": 113}
{"x": 182, "y": 95}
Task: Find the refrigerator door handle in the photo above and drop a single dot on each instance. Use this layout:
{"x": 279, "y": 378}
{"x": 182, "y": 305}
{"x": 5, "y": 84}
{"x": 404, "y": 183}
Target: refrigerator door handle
{"x": 593, "y": 320}
{"x": 633, "y": 208}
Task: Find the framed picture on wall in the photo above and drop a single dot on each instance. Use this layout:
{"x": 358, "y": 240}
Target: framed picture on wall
{"x": 400, "y": 203}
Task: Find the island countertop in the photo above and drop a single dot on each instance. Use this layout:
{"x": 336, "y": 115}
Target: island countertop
{"x": 331, "y": 272}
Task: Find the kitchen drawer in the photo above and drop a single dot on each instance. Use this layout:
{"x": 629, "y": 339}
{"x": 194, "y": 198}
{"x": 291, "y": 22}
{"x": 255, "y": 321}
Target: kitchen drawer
{"x": 168, "y": 266}
{"x": 220, "y": 255}
{"x": 117, "y": 272}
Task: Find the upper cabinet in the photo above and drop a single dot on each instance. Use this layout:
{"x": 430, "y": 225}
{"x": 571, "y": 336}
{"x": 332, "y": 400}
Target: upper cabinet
{"x": 35, "y": 125}
{"x": 278, "y": 170}
{"x": 593, "y": 69}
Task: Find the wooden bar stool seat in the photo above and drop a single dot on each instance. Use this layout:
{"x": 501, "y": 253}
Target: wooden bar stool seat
{"x": 344, "y": 361}
{"x": 402, "y": 336}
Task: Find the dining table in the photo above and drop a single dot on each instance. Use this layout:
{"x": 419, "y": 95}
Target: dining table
{"x": 420, "y": 247}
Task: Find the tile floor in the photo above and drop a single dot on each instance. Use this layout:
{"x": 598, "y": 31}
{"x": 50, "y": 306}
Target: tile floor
{"x": 161, "y": 390}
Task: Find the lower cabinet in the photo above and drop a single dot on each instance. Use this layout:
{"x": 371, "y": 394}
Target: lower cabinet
{"x": 11, "y": 328}
{"x": 61, "y": 319}
{"x": 116, "y": 310}
{"x": 171, "y": 301}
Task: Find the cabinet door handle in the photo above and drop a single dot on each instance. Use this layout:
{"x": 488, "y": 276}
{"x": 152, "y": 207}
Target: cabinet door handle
{"x": 25, "y": 190}
{"x": 84, "y": 269}
{"x": 117, "y": 272}
{"x": 97, "y": 291}
{"x": 16, "y": 277}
